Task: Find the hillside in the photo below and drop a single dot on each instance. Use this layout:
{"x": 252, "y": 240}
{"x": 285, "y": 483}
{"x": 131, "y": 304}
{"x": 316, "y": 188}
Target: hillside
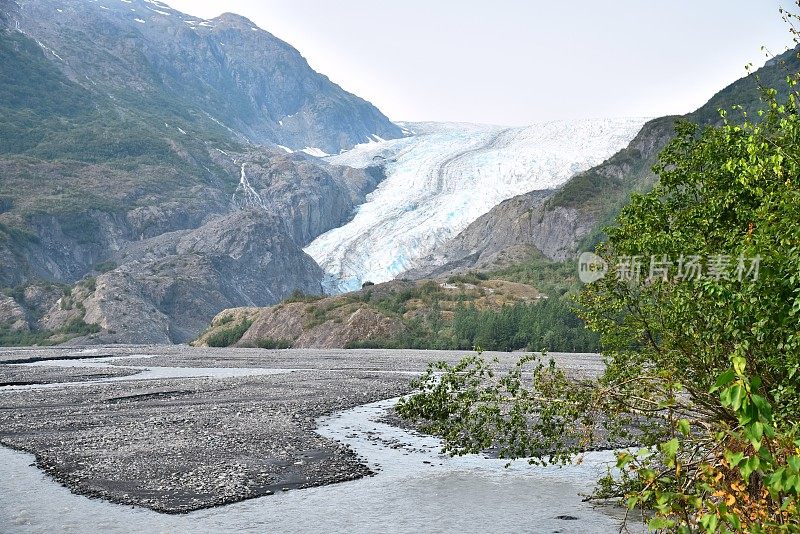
{"x": 496, "y": 311}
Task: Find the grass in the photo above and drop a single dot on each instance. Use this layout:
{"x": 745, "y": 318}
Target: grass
{"x": 75, "y": 328}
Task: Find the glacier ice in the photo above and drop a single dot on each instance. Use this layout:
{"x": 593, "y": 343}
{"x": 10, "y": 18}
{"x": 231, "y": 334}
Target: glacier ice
{"x": 445, "y": 176}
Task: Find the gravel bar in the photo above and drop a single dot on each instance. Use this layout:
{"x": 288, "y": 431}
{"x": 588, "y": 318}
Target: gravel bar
{"x": 182, "y": 444}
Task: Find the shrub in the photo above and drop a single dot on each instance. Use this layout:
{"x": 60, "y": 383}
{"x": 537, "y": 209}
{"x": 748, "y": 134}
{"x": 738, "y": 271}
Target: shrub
{"x": 299, "y": 296}
{"x": 229, "y": 336}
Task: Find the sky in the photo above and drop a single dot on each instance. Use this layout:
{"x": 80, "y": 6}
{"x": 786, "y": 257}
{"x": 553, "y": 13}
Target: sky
{"x": 518, "y": 62}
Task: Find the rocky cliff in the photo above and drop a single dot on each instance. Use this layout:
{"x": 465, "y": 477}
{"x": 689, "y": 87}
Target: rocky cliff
{"x": 163, "y": 268}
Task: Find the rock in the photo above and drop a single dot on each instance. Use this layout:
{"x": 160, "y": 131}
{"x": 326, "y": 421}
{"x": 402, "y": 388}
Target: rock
{"x": 166, "y": 288}
{"x": 12, "y": 315}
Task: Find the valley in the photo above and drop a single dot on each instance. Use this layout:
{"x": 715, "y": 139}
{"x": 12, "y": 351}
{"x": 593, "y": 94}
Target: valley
{"x": 135, "y": 208}
{"x": 236, "y": 296}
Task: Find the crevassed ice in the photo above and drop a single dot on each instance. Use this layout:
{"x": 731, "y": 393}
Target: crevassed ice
{"x": 444, "y": 178}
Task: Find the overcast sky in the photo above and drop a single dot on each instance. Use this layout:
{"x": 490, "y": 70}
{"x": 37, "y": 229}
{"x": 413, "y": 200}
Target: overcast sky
{"x": 517, "y": 62}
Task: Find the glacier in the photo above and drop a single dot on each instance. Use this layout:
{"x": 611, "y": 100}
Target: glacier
{"x": 442, "y": 178}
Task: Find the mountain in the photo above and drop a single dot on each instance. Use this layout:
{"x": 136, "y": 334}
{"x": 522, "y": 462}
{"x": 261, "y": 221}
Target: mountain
{"x": 445, "y": 177}
{"x": 153, "y": 170}
{"x": 142, "y": 58}
{"x": 571, "y": 219}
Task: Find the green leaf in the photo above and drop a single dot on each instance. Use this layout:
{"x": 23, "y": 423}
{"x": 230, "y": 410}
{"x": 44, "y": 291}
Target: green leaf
{"x": 624, "y": 459}
{"x": 775, "y": 481}
{"x": 794, "y": 462}
{"x": 684, "y": 427}
{"x": 709, "y": 522}
{"x": 792, "y": 483}
{"x": 670, "y": 448}
{"x": 764, "y": 408}
{"x": 755, "y": 433}
{"x": 724, "y": 379}
{"x": 733, "y": 397}
{"x": 660, "y": 523}
{"x": 734, "y": 459}
{"x": 739, "y": 365}
{"x": 750, "y": 466}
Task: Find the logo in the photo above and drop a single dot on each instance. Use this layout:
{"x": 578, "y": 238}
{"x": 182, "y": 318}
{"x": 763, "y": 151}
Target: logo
{"x": 591, "y": 268}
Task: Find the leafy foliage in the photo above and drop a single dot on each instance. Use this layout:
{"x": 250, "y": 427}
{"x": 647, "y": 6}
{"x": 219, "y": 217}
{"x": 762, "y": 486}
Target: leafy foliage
{"x": 465, "y": 315}
{"x": 547, "y": 325}
{"x": 273, "y": 344}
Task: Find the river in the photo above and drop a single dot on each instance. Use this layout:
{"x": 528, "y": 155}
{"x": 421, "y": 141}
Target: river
{"x": 416, "y": 489}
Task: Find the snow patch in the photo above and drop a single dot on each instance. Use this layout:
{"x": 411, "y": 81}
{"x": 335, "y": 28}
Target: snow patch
{"x": 140, "y": 21}
{"x": 316, "y": 152}
{"x": 162, "y": 5}
{"x": 286, "y": 148}
{"x": 166, "y": 14}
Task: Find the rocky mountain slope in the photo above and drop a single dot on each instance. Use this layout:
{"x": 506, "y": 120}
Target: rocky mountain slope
{"x": 141, "y": 56}
{"x": 522, "y": 241}
{"x": 572, "y": 217}
{"x": 160, "y": 271}
{"x": 143, "y": 188}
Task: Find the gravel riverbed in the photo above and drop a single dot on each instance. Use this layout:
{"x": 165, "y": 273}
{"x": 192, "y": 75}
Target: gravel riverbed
{"x": 177, "y": 444}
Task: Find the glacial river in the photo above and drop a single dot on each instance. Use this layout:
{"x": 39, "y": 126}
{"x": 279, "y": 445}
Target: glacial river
{"x": 416, "y": 490}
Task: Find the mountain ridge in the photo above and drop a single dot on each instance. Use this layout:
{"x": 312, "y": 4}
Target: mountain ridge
{"x": 246, "y": 80}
